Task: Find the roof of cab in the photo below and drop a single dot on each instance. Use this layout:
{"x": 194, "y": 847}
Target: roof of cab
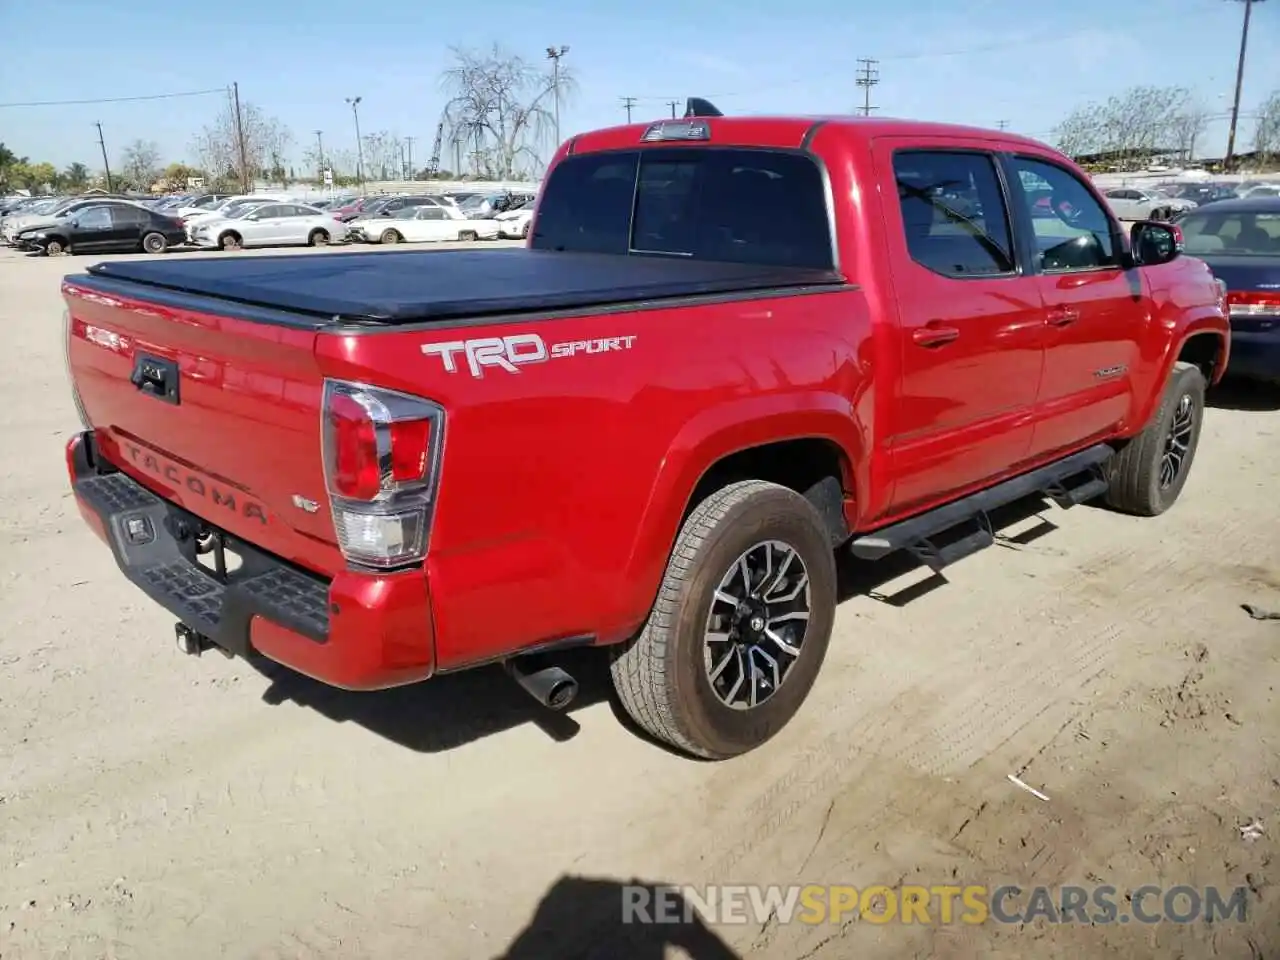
{"x": 791, "y": 131}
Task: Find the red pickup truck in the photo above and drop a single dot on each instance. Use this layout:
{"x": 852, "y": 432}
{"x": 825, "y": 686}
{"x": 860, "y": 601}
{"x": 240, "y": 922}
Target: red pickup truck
{"x": 732, "y": 348}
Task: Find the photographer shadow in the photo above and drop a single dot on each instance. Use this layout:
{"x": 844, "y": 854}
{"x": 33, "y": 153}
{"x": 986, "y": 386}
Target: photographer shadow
{"x": 587, "y": 918}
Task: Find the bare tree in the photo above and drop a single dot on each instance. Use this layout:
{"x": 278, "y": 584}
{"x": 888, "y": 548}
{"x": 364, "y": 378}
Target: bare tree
{"x": 381, "y": 155}
{"x": 1266, "y": 135}
{"x": 140, "y": 164}
{"x": 218, "y": 150}
{"x": 1135, "y": 124}
{"x": 500, "y": 108}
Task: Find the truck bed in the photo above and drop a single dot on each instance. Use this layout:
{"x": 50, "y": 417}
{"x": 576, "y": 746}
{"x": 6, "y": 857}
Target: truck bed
{"x": 422, "y": 286}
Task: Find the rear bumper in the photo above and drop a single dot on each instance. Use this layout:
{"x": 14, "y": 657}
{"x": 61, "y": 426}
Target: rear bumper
{"x": 357, "y": 631}
{"x": 1255, "y": 355}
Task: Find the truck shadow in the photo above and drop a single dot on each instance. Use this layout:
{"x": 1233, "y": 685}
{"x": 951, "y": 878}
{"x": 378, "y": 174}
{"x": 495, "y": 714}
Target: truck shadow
{"x": 448, "y": 711}
{"x": 587, "y": 918}
{"x": 453, "y": 710}
{"x": 1244, "y": 395}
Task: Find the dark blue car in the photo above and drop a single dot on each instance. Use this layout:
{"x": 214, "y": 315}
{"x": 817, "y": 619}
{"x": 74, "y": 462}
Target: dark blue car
{"x": 1240, "y": 241}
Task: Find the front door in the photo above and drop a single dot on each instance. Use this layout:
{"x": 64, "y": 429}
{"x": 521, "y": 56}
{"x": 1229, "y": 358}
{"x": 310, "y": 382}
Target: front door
{"x": 91, "y": 229}
{"x": 1096, "y": 311}
{"x": 970, "y": 321}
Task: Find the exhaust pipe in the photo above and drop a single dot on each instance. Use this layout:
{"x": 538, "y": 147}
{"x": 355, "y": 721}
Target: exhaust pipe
{"x": 550, "y": 686}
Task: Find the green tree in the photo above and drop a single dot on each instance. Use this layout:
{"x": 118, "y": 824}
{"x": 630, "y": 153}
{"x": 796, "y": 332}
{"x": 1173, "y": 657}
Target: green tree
{"x": 76, "y": 176}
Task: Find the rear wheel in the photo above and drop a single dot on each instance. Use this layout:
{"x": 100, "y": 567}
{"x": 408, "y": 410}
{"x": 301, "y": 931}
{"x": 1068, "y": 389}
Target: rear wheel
{"x": 740, "y": 627}
{"x": 318, "y": 238}
{"x": 154, "y": 243}
{"x": 1148, "y": 474}
{"x": 391, "y": 236}
{"x": 468, "y": 236}
{"x": 229, "y": 241}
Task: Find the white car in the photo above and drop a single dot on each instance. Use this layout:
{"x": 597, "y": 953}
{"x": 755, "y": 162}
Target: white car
{"x": 423, "y": 225}
{"x": 233, "y": 209}
{"x": 514, "y": 224}
{"x": 1131, "y": 204}
{"x": 271, "y": 225}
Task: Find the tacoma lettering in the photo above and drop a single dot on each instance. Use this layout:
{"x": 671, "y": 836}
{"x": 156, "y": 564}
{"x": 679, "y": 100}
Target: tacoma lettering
{"x": 194, "y": 485}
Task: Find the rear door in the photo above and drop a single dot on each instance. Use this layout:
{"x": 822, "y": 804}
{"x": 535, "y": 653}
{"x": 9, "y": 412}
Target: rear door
{"x": 127, "y": 224}
{"x": 1095, "y": 310}
{"x": 970, "y": 317}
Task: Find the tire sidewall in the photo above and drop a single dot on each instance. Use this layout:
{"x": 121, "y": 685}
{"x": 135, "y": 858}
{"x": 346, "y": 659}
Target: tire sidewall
{"x": 1183, "y": 382}
{"x": 160, "y": 248}
{"x": 389, "y": 236}
{"x": 771, "y": 515}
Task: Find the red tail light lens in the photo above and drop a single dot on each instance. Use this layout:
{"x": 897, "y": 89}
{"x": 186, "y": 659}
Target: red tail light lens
{"x": 1253, "y": 303}
{"x": 381, "y": 453}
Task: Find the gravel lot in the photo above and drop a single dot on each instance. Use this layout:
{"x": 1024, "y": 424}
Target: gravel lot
{"x": 158, "y": 806}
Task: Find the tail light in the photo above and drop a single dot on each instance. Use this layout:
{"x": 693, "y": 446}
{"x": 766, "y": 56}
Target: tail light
{"x": 1254, "y": 305}
{"x": 67, "y": 331}
{"x": 381, "y": 463}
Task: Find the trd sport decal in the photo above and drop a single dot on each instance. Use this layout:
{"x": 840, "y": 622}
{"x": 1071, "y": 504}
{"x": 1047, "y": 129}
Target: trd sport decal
{"x": 510, "y": 353}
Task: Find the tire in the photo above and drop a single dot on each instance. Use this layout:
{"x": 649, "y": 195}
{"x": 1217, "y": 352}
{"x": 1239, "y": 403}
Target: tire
{"x": 154, "y": 243}
{"x": 390, "y": 236}
{"x": 54, "y": 248}
{"x": 1139, "y": 473}
{"x": 229, "y": 241}
{"x": 468, "y": 236}
{"x": 524, "y": 232}
{"x": 663, "y": 676}
{"x": 318, "y": 238}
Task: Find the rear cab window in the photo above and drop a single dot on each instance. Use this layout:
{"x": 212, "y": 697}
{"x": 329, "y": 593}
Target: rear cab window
{"x": 738, "y": 205}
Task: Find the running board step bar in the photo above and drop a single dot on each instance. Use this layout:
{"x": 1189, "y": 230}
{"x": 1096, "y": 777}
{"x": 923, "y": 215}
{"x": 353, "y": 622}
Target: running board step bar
{"x": 930, "y": 537}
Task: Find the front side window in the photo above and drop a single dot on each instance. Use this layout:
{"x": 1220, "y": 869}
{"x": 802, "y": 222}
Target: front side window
{"x": 94, "y": 218}
{"x": 703, "y": 203}
{"x": 953, "y": 213}
{"x": 1072, "y": 230}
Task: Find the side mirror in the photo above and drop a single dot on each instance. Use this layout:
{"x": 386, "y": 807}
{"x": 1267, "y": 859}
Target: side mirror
{"x": 1152, "y": 243}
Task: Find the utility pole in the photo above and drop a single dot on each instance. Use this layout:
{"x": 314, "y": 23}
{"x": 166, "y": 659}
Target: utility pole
{"x": 627, "y": 104}
{"x": 409, "y": 145}
{"x": 457, "y": 157}
{"x": 1229, "y": 162}
{"x": 673, "y": 104}
{"x": 1002, "y": 124}
{"x": 554, "y": 54}
{"x": 320, "y": 153}
{"x": 355, "y": 112}
{"x": 244, "y": 156}
{"x": 103, "y": 144}
{"x": 868, "y": 77}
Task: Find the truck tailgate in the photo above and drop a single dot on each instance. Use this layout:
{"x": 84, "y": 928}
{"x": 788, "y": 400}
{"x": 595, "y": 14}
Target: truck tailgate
{"x": 219, "y": 415}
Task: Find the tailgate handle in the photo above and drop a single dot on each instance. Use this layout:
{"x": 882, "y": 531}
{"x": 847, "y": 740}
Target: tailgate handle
{"x": 156, "y": 376}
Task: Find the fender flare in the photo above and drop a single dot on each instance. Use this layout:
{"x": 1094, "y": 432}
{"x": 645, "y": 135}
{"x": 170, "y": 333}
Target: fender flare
{"x": 711, "y": 436}
{"x": 1202, "y": 323}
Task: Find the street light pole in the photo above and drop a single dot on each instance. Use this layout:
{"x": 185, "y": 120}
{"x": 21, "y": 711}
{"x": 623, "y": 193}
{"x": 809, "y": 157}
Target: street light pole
{"x": 1229, "y": 161}
{"x": 355, "y": 112}
{"x": 554, "y": 54}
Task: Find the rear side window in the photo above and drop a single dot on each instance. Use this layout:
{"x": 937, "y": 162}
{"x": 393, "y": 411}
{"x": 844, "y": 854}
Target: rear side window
{"x": 953, "y": 213}
{"x": 742, "y": 206}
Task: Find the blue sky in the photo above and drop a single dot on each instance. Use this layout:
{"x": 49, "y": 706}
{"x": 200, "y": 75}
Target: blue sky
{"x": 981, "y": 61}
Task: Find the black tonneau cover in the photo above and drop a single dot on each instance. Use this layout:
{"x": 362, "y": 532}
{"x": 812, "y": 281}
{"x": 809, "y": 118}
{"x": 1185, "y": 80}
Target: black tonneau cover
{"x": 412, "y": 286}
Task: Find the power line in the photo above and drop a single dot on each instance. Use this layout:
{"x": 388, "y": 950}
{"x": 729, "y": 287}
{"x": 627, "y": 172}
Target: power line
{"x": 153, "y": 96}
{"x": 868, "y": 77}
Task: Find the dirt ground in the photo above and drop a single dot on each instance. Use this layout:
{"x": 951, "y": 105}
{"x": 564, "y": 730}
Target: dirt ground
{"x": 157, "y": 806}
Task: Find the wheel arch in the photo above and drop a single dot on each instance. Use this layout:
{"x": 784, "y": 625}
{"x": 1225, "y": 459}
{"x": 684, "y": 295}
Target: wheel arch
{"x": 802, "y": 441}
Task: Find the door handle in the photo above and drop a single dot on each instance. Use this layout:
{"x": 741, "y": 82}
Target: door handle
{"x": 934, "y": 335}
{"x": 1063, "y": 316}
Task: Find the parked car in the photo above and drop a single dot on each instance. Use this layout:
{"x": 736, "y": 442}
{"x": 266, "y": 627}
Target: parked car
{"x": 230, "y": 209}
{"x": 271, "y": 225}
{"x": 514, "y": 223}
{"x": 1131, "y": 204}
{"x": 423, "y": 223}
{"x": 1202, "y": 193}
{"x": 14, "y": 225}
{"x": 1261, "y": 191}
{"x": 653, "y": 428}
{"x": 105, "y": 228}
{"x": 1240, "y": 241}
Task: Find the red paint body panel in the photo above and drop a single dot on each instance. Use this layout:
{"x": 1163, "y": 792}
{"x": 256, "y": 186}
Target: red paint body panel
{"x": 562, "y": 486}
